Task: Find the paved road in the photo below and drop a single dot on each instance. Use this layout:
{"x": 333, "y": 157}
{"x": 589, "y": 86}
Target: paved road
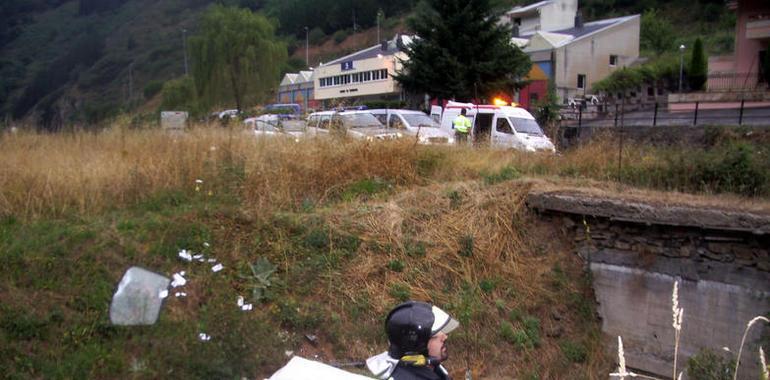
{"x": 751, "y": 117}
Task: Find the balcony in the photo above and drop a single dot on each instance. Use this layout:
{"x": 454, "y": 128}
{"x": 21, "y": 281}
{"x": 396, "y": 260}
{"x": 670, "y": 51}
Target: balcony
{"x": 758, "y": 28}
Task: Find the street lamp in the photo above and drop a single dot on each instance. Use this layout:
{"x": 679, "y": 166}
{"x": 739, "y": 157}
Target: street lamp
{"x": 681, "y": 66}
{"x": 307, "y": 44}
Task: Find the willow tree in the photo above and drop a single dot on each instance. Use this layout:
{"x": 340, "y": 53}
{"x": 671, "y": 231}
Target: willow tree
{"x": 236, "y": 57}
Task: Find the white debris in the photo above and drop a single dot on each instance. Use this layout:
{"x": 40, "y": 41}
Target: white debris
{"x": 185, "y": 255}
{"x": 178, "y": 280}
{"x": 197, "y": 257}
{"x": 206, "y": 244}
{"x": 212, "y": 260}
{"x": 247, "y": 307}
{"x": 202, "y": 260}
{"x": 163, "y": 294}
{"x": 180, "y": 294}
{"x": 199, "y": 181}
{"x": 288, "y": 353}
{"x": 183, "y": 273}
{"x": 217, "y": 268}
{"x": 240, "y": 301}
{"x": 204, "y": 337}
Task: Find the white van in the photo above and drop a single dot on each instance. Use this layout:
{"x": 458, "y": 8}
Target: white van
{"x": 498, "y": 126}
{"x": 415, "y": 124}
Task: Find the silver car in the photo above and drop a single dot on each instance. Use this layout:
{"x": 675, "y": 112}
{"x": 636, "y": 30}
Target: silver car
{"x": 415, "y": 124}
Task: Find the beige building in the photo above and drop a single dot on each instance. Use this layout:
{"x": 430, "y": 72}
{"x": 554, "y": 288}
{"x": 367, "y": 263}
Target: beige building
{"x": 362, "y": 76}
{"x": 577, "y": 57}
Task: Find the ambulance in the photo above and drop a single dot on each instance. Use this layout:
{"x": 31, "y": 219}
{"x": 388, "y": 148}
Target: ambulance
{"x": 497, "y": 126}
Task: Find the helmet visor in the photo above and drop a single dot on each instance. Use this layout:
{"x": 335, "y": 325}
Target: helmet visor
{"x": 442, "y": 322}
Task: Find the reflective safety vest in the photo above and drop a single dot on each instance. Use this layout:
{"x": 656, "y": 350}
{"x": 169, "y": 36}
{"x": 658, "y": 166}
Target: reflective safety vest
{"x": 462, "y": 124}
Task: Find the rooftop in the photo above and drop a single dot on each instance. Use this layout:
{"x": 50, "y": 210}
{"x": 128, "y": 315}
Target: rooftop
{"x": 559, "y": 38}
{"x": 374, "y": 51}
{"x": 526, "y": 9}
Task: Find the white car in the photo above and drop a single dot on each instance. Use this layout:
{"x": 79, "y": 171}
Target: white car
{"x": 270, "y": 125}
{"x": 415, "y": 124}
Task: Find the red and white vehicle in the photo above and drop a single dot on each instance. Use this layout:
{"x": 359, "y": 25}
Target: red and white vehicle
{"x": 499, "y": 126}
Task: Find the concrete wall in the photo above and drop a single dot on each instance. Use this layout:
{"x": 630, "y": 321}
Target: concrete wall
{"x": 724, "y": 281}
{"x": 379, "y": 87}
{"x": 590, "y": 55}
{"x": 558, "y": 15}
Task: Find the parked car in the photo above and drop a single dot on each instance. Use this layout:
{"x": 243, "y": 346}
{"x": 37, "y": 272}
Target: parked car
{"x": 354, "y": 124}
{"x": 415, "y": 124}
{"x": 272, "y": 125}
{"x": 497, "y": 126}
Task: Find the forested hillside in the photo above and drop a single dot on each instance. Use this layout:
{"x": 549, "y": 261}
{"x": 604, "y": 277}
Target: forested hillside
{"x": 80, "y": 61}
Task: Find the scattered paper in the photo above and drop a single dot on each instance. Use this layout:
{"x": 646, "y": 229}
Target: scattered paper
{"x": 204, "y": 337}
{"x": 247, "y": 307}
{"x": 206, "y": 244}
{"x": 217, "y": 268}
{"x": 178, "y": 280}
{"x": 198, "y": 181}
{"x": 163, "y": 294}
{"x": 240, "y": 301}
{"x": 212, "y": 260}
{"x": 197, "y": 257}
{"x": 180, "y": 294}
{"x": 185, "y": 255}
{"x": 288, "y": 353}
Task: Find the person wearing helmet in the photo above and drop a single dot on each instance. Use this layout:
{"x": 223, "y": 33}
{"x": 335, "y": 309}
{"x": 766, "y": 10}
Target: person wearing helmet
{"x": 417, "y": 333}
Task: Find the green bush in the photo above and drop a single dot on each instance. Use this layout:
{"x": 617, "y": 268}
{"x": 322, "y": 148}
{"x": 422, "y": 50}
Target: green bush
{"x": 316, "y": 36}
{"x": 574, "y": 351}
{"x": 706, "y": 365}
{"x": 152, "y": 88}
{"x": 341, "y": 35}
{"x": 466, "y": 246}
{"x": 396, "y": 265}
{"x": 400, "y": 292}
{"x": 698, "y": 70}
{"x": 505, "y": 174}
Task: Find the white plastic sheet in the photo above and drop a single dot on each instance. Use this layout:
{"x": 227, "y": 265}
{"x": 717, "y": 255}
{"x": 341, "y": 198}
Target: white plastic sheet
{"x": 302, "y": 369}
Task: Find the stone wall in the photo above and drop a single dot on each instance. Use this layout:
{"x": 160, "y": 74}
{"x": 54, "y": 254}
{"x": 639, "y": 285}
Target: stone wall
{"x": 636, "y": 251}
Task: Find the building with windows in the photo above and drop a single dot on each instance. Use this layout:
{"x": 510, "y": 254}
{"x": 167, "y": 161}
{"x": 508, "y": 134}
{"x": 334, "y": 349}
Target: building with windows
{"x": 366, "y": 75}
{"x": 567, "y": 51}
{"x": 297, "y": 88}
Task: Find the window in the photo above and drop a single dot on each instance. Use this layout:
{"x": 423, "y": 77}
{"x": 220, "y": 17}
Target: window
{"x": 395, "y": 122}
{"x": 503, "y": 126}
{"x": 650, "y": 91}
{"x": 337, "y": 80}
{"x": 384, "y": 74}
{"x": 325, "y": 121}
{"x": 581, "y": 81}
{"x": 534, "y": 97}
{"x": 367, "y": 76}
{"x": 517, "y": 21}
{"x": 613, "y": 60}
{"x": 381, "y": 118}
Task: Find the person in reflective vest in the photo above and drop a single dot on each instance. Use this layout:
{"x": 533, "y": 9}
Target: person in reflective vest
{"x": 462, "y": 126}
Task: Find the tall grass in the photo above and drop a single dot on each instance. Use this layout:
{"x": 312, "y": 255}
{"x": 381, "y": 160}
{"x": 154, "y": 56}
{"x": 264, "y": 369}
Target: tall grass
{"x": 57, "y": 174}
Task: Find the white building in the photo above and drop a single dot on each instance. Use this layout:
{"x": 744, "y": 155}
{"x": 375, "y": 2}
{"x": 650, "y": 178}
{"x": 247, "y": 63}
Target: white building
{"x": 362, "y": 76}
{"x": 544, "y": 16}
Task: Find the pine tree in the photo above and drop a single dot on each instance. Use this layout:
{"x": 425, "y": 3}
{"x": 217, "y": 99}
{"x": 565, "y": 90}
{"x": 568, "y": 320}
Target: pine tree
{"x": 462, "y": 52}
{"x": 698, "y": 72}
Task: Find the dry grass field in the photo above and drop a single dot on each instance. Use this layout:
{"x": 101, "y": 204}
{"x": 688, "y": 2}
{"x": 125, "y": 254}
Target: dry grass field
{"x": 351, "y": 228}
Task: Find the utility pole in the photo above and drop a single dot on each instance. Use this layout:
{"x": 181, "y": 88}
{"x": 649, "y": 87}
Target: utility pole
{"x": 307, "y": 45}
{"x": 354, "y": 20}
{"x": 379, "y": 16}
{"x": 184, "y": 45}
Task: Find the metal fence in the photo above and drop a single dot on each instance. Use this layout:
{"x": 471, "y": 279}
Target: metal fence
{"x": 727, "y": 82}
{"x": 668, "y": 114}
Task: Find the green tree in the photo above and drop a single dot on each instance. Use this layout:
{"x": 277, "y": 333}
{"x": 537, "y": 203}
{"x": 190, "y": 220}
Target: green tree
{"x": 179, "y": 95}
{"x": 657, "y": 34}
{"x": 698, "y": 71}
{"x": 236, "y": 57}
{"x": 462, "y": 52}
